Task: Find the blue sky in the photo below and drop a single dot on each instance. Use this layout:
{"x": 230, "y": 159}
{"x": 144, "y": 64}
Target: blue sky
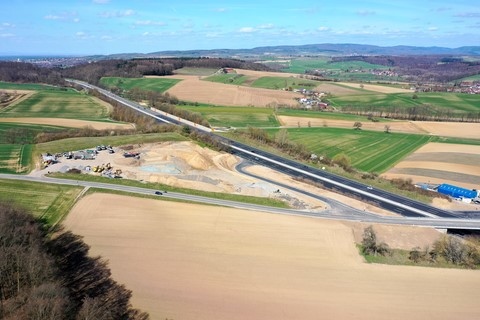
{"x": 85, "y": 27}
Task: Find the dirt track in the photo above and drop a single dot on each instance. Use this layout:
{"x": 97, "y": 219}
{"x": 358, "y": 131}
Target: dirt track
{"x": 186, "y": 261}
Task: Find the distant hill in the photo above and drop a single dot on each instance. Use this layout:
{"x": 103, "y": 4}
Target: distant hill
{"x": 325, "y": 49}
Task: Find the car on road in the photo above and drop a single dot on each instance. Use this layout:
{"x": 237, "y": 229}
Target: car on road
{"x": 158, "y": 193}
{"x": 370, "y": 188}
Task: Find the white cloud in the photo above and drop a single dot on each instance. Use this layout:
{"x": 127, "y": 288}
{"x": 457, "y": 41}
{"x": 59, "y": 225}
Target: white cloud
{"x": 117, "y": 14}
{"x": 221, "y": 10}
{"x": 468, "y": 15}
{"x": 246, "y": 30}
{"x": 7, "y": 25}
{"x": 266, "y": 26}
{"x": 63, "y": 16}
{"x": 323, "y": 28}
{"x": 150, "y": 23}
{"x": 6, "y": 35}
{"x": 53, "y": 17}
{"x": 432, "y": 29}
{"x": 366, "y": 12}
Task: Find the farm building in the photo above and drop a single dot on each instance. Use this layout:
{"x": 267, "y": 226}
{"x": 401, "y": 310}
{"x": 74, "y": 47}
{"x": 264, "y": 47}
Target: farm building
{"x": 457, "y": 192}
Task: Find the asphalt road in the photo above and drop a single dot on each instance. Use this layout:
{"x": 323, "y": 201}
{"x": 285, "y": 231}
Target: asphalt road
{"x": 395, "y": 203}
{"x": 340, "y": 213}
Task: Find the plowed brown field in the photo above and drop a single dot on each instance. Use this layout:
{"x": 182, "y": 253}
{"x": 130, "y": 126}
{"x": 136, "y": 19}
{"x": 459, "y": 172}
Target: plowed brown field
{"x": 186, "y": 261}
{"x": 192, "y": 88}
{"x": 438, "y": 163}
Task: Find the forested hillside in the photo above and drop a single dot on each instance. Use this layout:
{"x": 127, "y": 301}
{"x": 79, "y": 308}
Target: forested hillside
{"x": 47, "y": 277}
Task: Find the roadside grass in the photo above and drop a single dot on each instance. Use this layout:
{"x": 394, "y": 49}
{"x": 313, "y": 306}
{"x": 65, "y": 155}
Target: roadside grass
{"x": 151, "y": 84}
{"x": 238, "y": 117}
{"x": 158, "y": 186}
{"x": 377, "y": 183}
{"x": 435, "y": 101}
{"x": 57, "y": 104}
{"x": 228, "y": 78}
{"x": 196, "y": 71}
{"x": 48, "y": 202}
{"x": 368, "y": 151}
{"x": 15, "y": 158}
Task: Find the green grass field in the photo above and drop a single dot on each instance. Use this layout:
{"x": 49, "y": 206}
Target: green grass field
{"x": 229, "y": 78}
{"x": 300, "y": 65}
{"x": 323, "y": 115}
{"x": 282, "y": 82}
{"x": 475, "y": 77}
{"x": 23, "y": 132}
{"x": 368, "y": 151}
{"x": 196, "y": 71}
{"x": 57, "y": 104}
{"x": 151, "y": 84}
{"x": 435, "y": 101}
{"x": 46, "y": 201}
{"x": 237, "y": 117}
{"x": 15, "y": 158}
{"x": 26, "y": 86}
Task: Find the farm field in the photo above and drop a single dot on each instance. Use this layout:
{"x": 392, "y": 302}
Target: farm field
{"x": 196, "y": 71}
{"x": 68, "y": 104}
{"x": 368, "y": 150}
{"x": 26, "y": 86}
{"x": 283, "y": 82}
{"x": 300, "y": 65}
{"x": 434, "y": 101}
{"x": 15, "y": 158}
{"x": 158, "y": 84}
{"x": 441, "y": 163}
{"x": 459, "y": 130}
{"x": 230, "y": 78}
{"x": 237, "y": 264}
{"x": 49, "y": 202}
{"x": 193, "y": 89}
{"x": 238, "y": 117}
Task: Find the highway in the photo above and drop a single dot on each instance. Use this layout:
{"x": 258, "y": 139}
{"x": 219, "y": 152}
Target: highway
{"x": 395, "y": 203}
{"x": 346, "y": 213}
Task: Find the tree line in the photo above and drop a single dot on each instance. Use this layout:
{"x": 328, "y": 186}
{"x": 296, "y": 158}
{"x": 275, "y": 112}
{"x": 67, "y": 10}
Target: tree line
{"x": 51, "y": 276}
{"x": 447, "y": 249}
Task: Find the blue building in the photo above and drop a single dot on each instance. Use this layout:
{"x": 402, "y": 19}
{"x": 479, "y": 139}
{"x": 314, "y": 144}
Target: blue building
{"x": 456, "y": 192}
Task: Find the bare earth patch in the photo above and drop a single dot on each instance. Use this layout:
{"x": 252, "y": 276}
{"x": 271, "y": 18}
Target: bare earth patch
{"x": 186, "y": 261}
{"x": 70, "y": 123}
